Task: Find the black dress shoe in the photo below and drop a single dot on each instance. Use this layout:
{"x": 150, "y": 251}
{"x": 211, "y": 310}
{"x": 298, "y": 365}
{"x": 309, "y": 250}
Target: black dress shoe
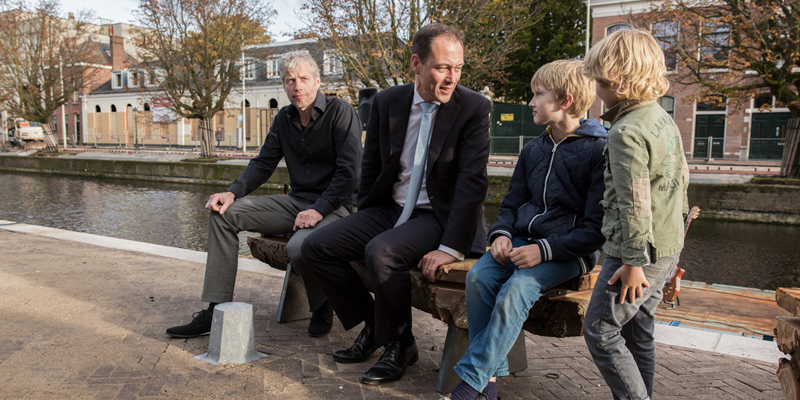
{"x": 392, "y": 364}
{"x": 361, "y": 349}
{"x": 321, "y": 321}
{"x": 200, "y": 325}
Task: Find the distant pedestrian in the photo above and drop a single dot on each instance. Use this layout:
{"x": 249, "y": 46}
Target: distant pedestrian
{"x": 646, "y": 178}
{"x": 219, "y": 134}
{"x": 548, "y": 228}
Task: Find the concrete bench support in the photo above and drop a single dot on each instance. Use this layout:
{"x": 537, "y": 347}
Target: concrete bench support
{"x": 455, "y": 345}
{"x": 293, "y": 305}
{"x": 232, "y": 335}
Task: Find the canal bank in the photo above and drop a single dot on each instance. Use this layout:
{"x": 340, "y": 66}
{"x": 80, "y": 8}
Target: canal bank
{"x": 747, "y": 202}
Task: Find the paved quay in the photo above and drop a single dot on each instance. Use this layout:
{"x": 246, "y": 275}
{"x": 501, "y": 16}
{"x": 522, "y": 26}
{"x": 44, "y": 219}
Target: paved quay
{"x": 84, "y": 317}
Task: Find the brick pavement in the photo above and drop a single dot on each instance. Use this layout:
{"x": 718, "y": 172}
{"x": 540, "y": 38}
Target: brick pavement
{"x": 82, "y": 321}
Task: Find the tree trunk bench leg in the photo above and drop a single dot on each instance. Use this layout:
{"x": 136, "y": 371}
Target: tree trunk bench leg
{"x": 293, "y": 304}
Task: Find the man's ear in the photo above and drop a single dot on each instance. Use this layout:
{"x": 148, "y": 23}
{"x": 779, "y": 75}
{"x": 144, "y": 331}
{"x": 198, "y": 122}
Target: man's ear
{"x": 415, "y": 62}
{"x": 566, "y": 102}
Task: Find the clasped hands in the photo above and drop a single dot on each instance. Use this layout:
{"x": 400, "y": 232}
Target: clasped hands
{"x": 523, "y": 257}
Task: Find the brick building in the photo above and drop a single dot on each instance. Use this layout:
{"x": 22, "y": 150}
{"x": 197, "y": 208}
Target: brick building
{"x": 710, "y": 131}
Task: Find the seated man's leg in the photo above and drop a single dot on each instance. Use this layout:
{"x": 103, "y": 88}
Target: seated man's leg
{"x": 487, "y": 354}
{"x": 322, "y": 318}
{"x": 327, "y": 253}
{"x": 389, "y": 258}
{"x": 267, "y": 214}
{"x": 271, "y": 215}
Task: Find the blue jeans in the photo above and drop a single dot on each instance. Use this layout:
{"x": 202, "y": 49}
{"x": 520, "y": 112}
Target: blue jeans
{"x": 498, "y": 298}
{"x": 620, "y": 336}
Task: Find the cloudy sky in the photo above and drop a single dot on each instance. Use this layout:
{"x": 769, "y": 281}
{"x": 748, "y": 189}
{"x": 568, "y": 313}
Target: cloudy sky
{"x": 122, "y": 11}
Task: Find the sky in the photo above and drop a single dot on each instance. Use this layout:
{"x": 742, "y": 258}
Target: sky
{"x": 122, "y": 11}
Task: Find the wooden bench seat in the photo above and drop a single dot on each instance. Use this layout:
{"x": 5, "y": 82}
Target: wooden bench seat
{"x": 560, "y": 313}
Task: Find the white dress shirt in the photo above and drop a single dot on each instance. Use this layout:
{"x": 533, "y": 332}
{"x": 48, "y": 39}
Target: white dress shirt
{"x": 400, "y": 189}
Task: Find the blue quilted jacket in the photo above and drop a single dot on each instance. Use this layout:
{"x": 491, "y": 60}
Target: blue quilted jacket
{"x": 554, "y": 196}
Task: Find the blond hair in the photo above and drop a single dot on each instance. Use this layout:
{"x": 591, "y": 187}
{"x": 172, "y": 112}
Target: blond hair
{"x": 565, "y": 77}
{"x": 632, "y": 59}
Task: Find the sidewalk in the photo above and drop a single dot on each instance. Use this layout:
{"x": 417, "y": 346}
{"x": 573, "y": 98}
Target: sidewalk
{"x": 84, "y": 316}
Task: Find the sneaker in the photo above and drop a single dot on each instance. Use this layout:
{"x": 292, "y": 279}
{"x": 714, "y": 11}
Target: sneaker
{"x": 200, "y": 325}
{"x": 321, "y": 321}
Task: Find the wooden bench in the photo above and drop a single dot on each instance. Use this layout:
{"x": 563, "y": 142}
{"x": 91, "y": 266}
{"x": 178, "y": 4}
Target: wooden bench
{"x": 560, "y": 313}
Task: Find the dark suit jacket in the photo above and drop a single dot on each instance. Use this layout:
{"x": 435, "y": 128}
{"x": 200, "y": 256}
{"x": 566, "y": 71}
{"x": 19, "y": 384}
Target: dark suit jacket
{"x": 456, "y": 171}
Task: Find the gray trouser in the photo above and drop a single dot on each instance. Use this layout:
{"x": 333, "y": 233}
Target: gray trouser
{"x": 620, "y": 336}
{"x": 271, "y": 215}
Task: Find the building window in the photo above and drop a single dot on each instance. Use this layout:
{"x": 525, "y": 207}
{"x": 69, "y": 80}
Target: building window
{"x": 113, "y": 108}
{"x": 666, "y": 34}
{"x": 97, "y": 109}
{"x": 272, "y": 68}
{"x": 714, "y": 43}
{"x": 116, "y": 80}
{"x": 249, "y": 69}
{"x": 133, "y": 79}
{"x": 712, "y": 103}
{"x": 331, "y": 64}
{"x": 668, "y": 104}
{"x": 617, "y": 27}
{"x": 74, "y": 97}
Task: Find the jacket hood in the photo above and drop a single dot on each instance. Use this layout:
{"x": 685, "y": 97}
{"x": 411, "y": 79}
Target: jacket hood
{"x": 591, "y": 128}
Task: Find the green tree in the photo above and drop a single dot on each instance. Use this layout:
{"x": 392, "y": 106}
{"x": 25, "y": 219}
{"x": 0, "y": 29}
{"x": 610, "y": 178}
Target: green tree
{"x": 194, "y": 49}
{"x": 44, "y": 60}
{"x": 559, "y": 34}
{"x": 373, "y": 38}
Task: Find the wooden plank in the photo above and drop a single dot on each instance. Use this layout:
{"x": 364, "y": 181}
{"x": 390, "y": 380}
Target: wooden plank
{"x": 789, "y": 300}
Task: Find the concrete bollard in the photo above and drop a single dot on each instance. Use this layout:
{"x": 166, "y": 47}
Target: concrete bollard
{"x": 232, "y": 335}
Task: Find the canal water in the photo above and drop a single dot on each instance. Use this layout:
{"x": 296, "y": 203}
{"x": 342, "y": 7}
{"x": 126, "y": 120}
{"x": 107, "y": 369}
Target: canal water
{"x": 732, "y": 253}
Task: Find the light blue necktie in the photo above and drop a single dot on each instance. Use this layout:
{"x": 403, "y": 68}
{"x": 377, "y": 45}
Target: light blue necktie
{"x": 420, "y": 156}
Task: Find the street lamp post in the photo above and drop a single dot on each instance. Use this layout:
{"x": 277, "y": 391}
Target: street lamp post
{"x": 135, "y": 130}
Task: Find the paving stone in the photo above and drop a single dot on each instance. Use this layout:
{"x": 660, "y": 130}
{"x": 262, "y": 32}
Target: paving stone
{"x": 105, "y": 339}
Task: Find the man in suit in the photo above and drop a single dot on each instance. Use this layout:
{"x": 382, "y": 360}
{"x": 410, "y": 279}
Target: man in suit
{"x": 319, "y": 138}
{"x": 406, "y": 219}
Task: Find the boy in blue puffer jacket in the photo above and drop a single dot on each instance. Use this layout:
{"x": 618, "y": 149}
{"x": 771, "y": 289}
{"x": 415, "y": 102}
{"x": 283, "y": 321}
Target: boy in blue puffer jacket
{"x": 548, "y": 229}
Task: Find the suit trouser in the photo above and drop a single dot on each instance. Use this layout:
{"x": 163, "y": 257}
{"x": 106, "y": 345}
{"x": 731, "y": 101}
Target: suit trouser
{"x": 271, "y": 215}
{"x": 389, "y": 254}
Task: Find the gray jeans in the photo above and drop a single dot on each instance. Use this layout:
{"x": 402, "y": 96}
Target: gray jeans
{"x": 620, "y": 336}
{"x": 271, "y": 215}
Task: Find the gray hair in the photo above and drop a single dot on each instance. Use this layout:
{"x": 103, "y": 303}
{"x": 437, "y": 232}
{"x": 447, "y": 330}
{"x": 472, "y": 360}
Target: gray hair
{"x": 292, "y": 59}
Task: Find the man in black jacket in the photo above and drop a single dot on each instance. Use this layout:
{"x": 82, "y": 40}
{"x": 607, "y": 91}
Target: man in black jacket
{"x": 420, "y": 202}
{"x": 320, "y": 139}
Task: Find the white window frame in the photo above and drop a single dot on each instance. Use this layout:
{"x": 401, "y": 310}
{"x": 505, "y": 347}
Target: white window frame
{"x": 666, "y": 44}
{"x": 331, "y": 64}
{"x": 272, "y": 67}
{"x": 117, "y": 79}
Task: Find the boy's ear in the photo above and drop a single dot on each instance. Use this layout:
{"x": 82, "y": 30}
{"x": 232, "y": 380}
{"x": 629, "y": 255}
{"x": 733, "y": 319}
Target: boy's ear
{"x": 566, "y": 102}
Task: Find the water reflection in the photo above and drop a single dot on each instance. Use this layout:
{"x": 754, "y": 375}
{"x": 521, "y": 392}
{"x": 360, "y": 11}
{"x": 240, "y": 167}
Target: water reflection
{"x": 742, "y": 254}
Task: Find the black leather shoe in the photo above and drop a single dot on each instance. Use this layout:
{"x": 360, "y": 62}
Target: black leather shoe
{"x": 392, "y": 364}
{"x": 321, "y": 321}
{"x": 361, "y": 349}
{"x": 200, "y": 325}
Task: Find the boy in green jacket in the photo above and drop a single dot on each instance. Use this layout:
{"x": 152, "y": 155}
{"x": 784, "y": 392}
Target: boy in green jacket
{"x": 644, "y": 201}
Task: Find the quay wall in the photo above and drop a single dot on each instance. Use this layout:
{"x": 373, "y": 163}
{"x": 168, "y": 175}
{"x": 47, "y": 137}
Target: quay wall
{"x": 742, "y": 202}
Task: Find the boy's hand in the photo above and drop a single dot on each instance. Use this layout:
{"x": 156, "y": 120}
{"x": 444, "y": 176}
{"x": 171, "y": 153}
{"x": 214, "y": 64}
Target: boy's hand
{"x": 632, "y": 281}
{"x": 501, "y": 249}
{"x": 526, "y": 256}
